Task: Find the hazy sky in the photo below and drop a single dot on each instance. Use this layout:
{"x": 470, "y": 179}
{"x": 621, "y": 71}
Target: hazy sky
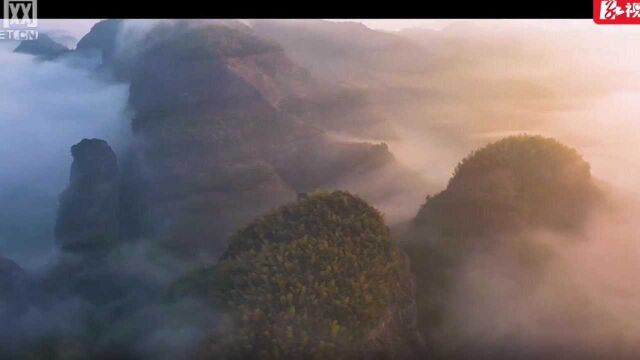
{"x": 77, "y": 28}
{"x": 401, "y": 24}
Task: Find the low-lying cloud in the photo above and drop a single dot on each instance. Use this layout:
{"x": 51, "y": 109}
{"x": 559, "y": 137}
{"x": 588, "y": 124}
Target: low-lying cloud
{"x": 46, "y": 108}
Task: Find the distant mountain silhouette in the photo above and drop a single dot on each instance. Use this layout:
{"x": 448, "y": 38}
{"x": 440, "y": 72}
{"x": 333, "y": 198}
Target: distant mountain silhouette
{"x": 44, "y": 47}
{"x": 226, "y": 127}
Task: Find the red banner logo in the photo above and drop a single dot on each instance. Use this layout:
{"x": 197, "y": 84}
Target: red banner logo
{"x": 616, "y": 12}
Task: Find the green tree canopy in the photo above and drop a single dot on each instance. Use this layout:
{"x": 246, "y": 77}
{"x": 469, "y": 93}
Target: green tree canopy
{"x": 517, "y": 181}
{"x": 495, "y": 197}
{"x": 316, "y": 278}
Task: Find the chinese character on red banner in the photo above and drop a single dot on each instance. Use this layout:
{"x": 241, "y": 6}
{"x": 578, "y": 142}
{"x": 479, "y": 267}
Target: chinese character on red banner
{"x": 616, "y": 11}
{"x": 633, "y": 10}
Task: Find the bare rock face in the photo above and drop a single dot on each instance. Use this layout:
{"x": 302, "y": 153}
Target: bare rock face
{"x": 88, "y": 212}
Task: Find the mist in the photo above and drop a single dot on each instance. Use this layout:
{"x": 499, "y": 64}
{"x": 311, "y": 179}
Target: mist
{"x": 46, "y": 108}
{"x": 562, "y": 295}
{"x": 565, "y": 79}
{"x": 457, "y": 89}
{"x": 574, "y": 82}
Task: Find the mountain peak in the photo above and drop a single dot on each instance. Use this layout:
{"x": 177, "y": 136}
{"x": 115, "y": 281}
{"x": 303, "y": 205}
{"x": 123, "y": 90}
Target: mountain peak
{"x": 44, "y": 47}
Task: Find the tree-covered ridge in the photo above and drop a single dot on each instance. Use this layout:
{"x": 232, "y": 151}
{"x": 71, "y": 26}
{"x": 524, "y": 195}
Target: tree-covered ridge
{"x": 498, "y": 197}
{"x": 339, "y": 216}
{"x": 206, "y": 42}
{"x": 315, "y": 278}
{"x": 518, "y": 181}
{"x": 516, "y": 151}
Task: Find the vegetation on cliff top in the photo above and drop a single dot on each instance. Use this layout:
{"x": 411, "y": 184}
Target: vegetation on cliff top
{"x": 515, "y": 182}
{"x": 312, "y": 278}
{"x": 497, "y": 196}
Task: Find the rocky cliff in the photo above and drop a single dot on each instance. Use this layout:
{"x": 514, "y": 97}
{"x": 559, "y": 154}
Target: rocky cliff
{"x": 217, "y": 141}
{"x": 225, "y": 128}
{"x": 88, "y": 211}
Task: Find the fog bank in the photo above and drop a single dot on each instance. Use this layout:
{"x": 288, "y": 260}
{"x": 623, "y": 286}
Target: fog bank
{"x": 46, "y": 108}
